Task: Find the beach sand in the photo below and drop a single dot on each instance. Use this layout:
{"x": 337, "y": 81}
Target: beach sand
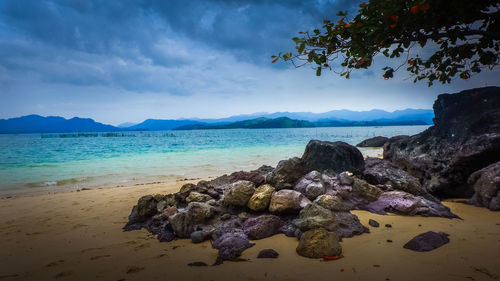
{"x": 78, "y": 236}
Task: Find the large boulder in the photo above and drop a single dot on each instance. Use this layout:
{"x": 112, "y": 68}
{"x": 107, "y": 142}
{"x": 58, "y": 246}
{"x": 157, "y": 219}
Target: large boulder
{"x": 261, "y": 198}
{"x": 239, "y": 193}
{"x": 311, "y": 185}
{"x": 262, "y": 226}
{"x": 146, "y": 206}
{"x": 379, "y": 171}
{"x": 318, "y": 243}
{"x": 185, "y": 222}
{"x": 287, "y": 173}
{"x": 486, "y": 183}
{"x": 465, "y": 138}
{"x": 287, "y": 201}
{"x": 332, "y": 157}
{"x": 378, "y": 141}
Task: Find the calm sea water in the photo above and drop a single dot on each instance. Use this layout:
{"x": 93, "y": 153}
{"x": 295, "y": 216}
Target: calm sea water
{"x": 35, "y": 161}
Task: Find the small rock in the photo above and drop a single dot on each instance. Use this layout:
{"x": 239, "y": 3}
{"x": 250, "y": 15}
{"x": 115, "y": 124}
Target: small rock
{"x": 311, "y": 185}
{"x": 198, "y": 197}
{"x": 268, "y": 254}
{"x": 197, "y": 263}
{"x": 388, "y": 225}
{"x": 427, "y": 241}
{"x": 225, "y": 216}
{"x": 230, "y": 246}
{"x": 332, "y": 203}
{"x": 345, "y": 178}
{"x": 373, "y": 223}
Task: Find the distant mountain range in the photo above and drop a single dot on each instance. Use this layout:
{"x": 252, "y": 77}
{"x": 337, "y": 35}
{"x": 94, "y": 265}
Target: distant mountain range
{"x": 285, "y": 122}
{"x": 335, "y": 118}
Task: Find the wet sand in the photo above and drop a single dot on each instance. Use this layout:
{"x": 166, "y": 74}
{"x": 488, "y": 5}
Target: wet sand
{"x": 78, "y": 236}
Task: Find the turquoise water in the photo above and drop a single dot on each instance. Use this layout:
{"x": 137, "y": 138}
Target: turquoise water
{"x": 30, "y": 161}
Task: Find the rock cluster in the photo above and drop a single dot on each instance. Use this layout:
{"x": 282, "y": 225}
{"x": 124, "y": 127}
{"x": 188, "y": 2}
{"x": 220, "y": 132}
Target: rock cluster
{"x": 309, "y": 198}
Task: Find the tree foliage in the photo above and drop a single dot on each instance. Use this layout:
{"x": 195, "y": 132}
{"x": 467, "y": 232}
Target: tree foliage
{"x": 461, "y": 37}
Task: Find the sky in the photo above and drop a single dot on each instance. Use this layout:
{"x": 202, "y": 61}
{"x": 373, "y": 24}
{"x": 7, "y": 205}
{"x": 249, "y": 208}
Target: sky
{"x": 129, "y": 60}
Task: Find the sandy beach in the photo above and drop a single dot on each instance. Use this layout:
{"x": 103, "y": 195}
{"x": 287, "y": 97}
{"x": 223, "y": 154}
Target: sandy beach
{"x": 78, "y": 236}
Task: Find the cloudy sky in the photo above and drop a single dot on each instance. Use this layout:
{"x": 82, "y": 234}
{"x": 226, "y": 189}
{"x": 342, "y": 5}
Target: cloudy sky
{"x": 128, "y": 60}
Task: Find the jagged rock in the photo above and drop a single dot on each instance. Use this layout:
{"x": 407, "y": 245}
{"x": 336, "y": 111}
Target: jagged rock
{"x": 332, "y": 203}
{"x": 201, "y": 235}
{"x": 373, "y": 223}
{"x": 332, "y": 157}
{"x": 169, "y": 211}
{"x": 314, "y": 216}
{"x": 427, "y": 241}
{"x": 378, "y": 141}
{"x": 261, "y": 227}
{"x": 465, "y": 138}
{"x": 486, "y": 183}
{"x": 268, "y": 254}
{"x": 185, "y": 222}
{"x": 183, "y": 193}
{"x": 287, "y": 201}
{"x": 198, "y": 197}
{"x": 254, "y": 176}
{"x": 400, "y": 202}
{"x": 239, "y": 193}
{"x": 317, "y": 243}
{"x": 287, "y": 173}
{"x": 348, "y": 225}
{"x": 261, "y": 198}
{"x": 365, "y": 190}
{"x": 311, "y": 185}
{"x": 231, "y": 245}
{"x": 346, "y": 178}
{"x": 146, "y": 206}
{"x": 379, "y": 171}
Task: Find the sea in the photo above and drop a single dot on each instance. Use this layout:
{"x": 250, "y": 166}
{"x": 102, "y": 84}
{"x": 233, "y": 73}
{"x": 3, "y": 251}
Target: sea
{"x": 71, "y": 161}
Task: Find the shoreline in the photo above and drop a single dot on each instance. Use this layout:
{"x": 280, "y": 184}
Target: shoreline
{"x": 23, "y": 190}
{"x": 78, "y": 236}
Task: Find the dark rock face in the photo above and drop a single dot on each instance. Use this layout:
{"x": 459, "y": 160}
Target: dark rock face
{"x": 465, "y": 138}
{"x": 261, "y": 227}
{"x": 317, "y": 243}
{"x": 373, "y": 142}
{"x": 332, "y": 157}
{"x": 486, "y": 183}
{"x": 427, "y": 241}
{"x": 287, "y": 173}
{"x": 268, "y": 254}
{"x": 379, "y": 171}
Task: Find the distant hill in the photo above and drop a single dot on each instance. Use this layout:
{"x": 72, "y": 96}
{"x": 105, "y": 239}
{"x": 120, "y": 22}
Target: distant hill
{"x": 51, "y": 124}
{"x": 257, "y": 123}
{"x": 285, "y": 122}
{"x": 160, "y": 125}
